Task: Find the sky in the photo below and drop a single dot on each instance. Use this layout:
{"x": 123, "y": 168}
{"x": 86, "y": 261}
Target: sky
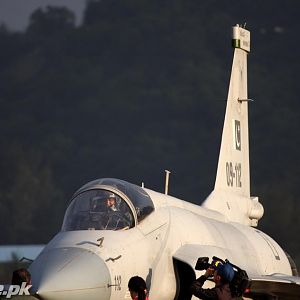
{"x": 15, "y": 13}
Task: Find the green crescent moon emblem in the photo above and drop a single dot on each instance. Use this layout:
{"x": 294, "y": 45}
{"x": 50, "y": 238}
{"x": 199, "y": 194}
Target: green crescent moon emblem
{"x": 237, "y": 135}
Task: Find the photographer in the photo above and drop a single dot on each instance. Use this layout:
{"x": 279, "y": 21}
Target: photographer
{"x": 222, "y": 274}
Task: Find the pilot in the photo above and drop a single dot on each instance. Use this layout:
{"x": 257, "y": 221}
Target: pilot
{"x": 111, "y": 202}
{"x": 119, "y": 216}
{"x": 222, "y": 275}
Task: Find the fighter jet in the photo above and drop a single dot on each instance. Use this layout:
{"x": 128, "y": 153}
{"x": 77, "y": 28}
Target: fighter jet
{"x": 113, "y": 230}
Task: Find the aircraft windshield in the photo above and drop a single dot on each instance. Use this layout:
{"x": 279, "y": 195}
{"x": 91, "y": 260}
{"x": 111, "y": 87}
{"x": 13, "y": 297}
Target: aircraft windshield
{"x": 96, "y": 206}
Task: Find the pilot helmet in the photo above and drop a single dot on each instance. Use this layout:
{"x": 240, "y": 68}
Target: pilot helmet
{"x": 111, "y": 196}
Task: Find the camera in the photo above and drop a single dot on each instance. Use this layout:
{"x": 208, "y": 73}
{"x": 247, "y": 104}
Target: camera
{"x": 203, "y": 263}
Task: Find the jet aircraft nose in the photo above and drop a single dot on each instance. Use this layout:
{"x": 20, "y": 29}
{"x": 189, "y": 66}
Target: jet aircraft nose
{"x": 70, "y": 274}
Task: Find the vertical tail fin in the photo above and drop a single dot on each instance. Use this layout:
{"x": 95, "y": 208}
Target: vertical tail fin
{"x": 231, "y": 195}
{"x": 233, "y": 168}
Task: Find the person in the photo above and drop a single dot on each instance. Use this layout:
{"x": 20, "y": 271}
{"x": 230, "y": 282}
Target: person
{"x": 111, "y": 202}
{"x": 21, "y": 275}
{"x": 137, "y": 288}
{"x": 222, "y": 275}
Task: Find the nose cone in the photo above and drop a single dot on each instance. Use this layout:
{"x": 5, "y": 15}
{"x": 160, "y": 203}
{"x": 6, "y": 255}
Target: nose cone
{"x": 70, "y": 274}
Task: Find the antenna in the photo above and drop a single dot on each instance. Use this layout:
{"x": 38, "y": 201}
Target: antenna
{"x": 245, "y": 100}
{"x": 167, "y": 182}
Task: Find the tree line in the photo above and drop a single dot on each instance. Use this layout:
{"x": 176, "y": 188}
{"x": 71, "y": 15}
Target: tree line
{"x": 140, "y": 87}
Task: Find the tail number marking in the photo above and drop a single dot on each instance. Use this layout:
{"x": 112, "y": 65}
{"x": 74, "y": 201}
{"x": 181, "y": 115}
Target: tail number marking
{"x": 234, "y": 174}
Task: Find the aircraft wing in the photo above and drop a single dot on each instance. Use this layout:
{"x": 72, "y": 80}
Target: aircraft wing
{"x": 279, "y": 285}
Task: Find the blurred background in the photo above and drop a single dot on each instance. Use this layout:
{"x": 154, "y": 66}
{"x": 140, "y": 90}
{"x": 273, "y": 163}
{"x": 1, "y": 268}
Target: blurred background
{"x": 129, "y": 88}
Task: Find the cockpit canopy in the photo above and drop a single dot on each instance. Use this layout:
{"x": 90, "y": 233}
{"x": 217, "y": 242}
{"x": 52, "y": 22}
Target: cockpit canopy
{"x": 107, "y": 204}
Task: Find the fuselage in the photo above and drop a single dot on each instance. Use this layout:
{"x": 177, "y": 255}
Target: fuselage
{"x": 97, "y": 264}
